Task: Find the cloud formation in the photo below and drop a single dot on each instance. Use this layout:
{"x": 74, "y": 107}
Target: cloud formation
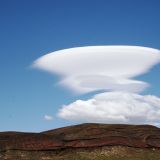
{"x": 114, "y": 107}
{"x": 105, "y": 68}
{"x": 92, "y": 68}
{"x": 48, "y": 117}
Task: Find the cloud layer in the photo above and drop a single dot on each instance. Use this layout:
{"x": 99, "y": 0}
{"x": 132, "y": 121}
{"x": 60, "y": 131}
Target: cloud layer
{"x": 106, "y": 68}
{"x": 110, "y": 68}
{"x": 114, "y": 107}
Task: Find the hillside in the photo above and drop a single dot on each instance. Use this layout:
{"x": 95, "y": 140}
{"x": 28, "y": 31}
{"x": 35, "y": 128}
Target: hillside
{"x": 85, "y": 141}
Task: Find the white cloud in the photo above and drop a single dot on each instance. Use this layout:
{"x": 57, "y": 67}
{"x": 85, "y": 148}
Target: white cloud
{"x": 48, "y": 117}
{"x": 114, "y": 107}
{"x": 110, "y": 68}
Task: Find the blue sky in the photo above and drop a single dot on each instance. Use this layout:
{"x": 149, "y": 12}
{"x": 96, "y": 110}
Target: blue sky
{"x": 30, "y": 29}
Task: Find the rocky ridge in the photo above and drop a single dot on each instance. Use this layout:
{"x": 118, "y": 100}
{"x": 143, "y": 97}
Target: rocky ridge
{"x": 83, "y": 136}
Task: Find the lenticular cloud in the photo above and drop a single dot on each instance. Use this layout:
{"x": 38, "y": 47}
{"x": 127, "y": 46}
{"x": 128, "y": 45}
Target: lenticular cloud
{"x": 114, "y": 107}
{"x": 92, "y": 68}
{"x": 108, "y": 68}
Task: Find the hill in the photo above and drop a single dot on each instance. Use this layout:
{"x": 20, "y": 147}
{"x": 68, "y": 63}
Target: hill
{"x": 85, "y": 141}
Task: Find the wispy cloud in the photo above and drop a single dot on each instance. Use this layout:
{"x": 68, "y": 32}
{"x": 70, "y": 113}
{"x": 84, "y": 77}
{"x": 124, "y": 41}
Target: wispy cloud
{"x": 48, "y": 117}
{"x": 110, "y": 68}
{"x": 114, "y": 107}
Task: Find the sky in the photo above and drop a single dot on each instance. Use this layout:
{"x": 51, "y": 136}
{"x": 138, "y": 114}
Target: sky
{"x": 30, "y": 98}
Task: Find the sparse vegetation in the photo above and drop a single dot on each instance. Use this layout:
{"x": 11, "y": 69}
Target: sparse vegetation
{"x": 105, "y": 153}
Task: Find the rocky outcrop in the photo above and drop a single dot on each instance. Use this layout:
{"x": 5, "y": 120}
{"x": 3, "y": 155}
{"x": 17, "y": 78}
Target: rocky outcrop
{"x": 83, "y": 136}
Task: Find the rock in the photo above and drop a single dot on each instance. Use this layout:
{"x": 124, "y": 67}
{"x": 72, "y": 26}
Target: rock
{"x": 83, "y": 136}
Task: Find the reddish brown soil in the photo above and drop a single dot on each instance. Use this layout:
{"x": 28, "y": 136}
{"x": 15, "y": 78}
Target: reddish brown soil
{"x": 83, "y": 136}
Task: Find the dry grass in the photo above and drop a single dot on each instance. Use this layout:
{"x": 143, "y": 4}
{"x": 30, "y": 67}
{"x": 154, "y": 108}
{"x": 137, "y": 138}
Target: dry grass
{"x": 105, "y": 153}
